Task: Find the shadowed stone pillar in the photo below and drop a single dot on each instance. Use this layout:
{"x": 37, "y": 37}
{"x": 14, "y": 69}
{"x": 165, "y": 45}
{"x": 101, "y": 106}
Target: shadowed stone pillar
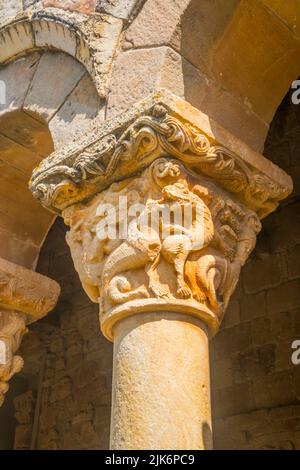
{"x": 25, "y": 297}
{"x": 163, "y": 287}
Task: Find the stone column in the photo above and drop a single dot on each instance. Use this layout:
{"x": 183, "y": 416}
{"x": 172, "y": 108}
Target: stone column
{"x": 164, "y": 207}
{"x": 25, "y": 297}
{"x": 161, "y": 390}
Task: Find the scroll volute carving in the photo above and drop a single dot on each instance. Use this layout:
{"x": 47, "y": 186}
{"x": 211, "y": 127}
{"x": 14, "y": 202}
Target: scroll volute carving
{"x": 183, "y": 248}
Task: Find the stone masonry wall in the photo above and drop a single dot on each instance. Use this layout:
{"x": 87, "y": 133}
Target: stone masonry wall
{"x": 256, "y": 388}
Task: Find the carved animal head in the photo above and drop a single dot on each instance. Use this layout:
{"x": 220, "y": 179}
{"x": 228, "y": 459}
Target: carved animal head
{"x": 176, "y": 191}
{"x": 166, "y": 171}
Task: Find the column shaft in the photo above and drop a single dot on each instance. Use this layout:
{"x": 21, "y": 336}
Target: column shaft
{"x": 161, "y": 390}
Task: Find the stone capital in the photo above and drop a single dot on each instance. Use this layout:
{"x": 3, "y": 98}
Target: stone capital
{"x": 161, "y": 152}
{"x": 27, "y": 292}
{"x": 25, "y": 296}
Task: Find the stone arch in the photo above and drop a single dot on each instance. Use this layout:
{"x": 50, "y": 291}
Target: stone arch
{"x": 62, "y": 31}
{"x": 50, "y": 98}
{"x": 235, "y": 46}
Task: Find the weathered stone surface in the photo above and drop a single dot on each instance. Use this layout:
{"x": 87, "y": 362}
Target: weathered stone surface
{"x": 16, "y": 155}
{"x": 32, "y": 3}
{"x": 261, "y": 330}
{"x": 28, "y": 131}
{"x": 14, "y": 186}
{"x": 222, "y": 374}
{"x": 140, "y": 405}
{"x": 23, "y": 437}
{"x": 17, "y": 250}
{"x": 263, "y": 28}
{"x": 233, "y": 314}
{"x": 119, "y": 8}
{"x": 53, "y": 35}
{"x": 284, "y": 297}
{"x": 173, "y": 282}
{"x": 82, "y": 6}
{"x": 26, "y": 291}
{"x": 289, "y": 12}
{"x": 75, "y": 116}
{"x": 263, "y": 429}
{"x": 93, "y": 40}
{"x": 253, "y": 306}
{"x": 293, "y": 259}
{"x": 266, "y": 363}
{"x": 131, "y": 82}
{"x": 24, "y": 407}
{"x": 180, "y": 27}
{"x": 61, "y": 73}
{"x": 235, "y": 399}
{"x": 9, "y": 8}
{"x": 16, "y": 77}
{"x": 97, "y": 48}
{"x": 14, "y": 40}
{"x": 263, "y": 273}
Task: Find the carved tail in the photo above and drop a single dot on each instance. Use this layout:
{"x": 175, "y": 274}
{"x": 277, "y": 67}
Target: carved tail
{"x": 210, "y": 274}
{"x": 120, "y": 290}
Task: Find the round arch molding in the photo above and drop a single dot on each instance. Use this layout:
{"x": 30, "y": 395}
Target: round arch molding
{"x": 90, "y": 40}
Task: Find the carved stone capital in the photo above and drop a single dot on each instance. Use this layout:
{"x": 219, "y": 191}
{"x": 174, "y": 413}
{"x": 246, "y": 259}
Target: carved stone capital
{"x": 162, "y": 153}
{"x": 25, "y": 297}
{"x": 26, "y": 291}
{"x": 161, "y": 262}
